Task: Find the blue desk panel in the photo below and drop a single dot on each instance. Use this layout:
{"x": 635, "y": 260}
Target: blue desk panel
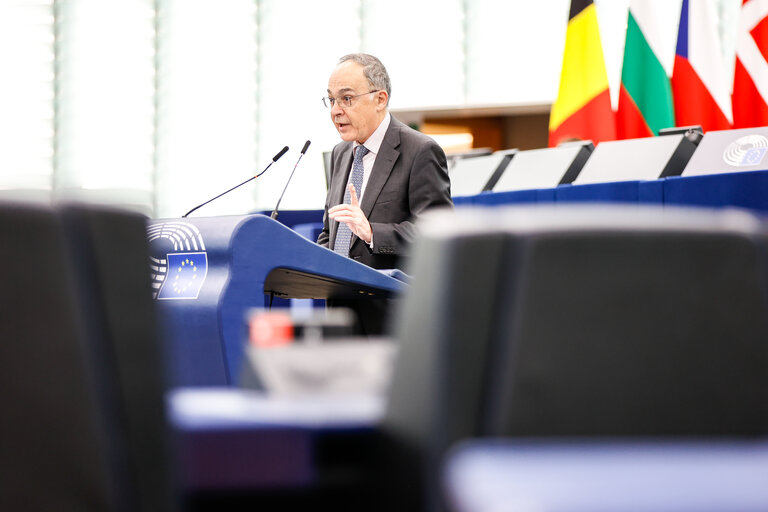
{"x": 544, "y": 195}
{"x": 745, "y": 190}
{"x": 509, "y": 197}
{"x": 739, "y": 189}
{"x": 464, "y": 200}
{"x": 647, "y": 192}
{"x": 651, "y": 192}
{"x": 291, "y": 218}
{"x": 617, "y": 192}
{"x": 311, "y": 231}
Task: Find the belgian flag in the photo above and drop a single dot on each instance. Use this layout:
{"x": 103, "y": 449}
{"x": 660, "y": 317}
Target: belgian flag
{"x": 583, "y": 106}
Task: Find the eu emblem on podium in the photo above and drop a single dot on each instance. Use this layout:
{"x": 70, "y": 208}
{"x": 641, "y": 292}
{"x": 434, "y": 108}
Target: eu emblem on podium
{"x": 185, "y": 277}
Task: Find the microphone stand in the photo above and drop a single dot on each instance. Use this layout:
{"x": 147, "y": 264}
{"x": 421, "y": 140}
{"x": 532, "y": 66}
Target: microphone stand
{"x": 277, "y": 156}
{"x": 303, "y": 150}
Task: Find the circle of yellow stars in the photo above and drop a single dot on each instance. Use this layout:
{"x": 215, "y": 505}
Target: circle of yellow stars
{"x": 176, "y": 286}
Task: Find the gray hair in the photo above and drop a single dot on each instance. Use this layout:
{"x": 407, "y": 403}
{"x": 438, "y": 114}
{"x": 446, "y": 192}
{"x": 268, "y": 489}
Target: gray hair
{"x": 373, "y": 69}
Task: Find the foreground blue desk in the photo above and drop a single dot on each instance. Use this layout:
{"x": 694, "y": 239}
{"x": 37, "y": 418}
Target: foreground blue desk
{"x": 620, "y": 476}
{"x": 208, "y": 272}
{"x": 235, "y": 439}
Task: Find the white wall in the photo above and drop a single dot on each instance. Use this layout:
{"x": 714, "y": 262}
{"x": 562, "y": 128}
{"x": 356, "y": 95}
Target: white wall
{"x": 163, "y": 104}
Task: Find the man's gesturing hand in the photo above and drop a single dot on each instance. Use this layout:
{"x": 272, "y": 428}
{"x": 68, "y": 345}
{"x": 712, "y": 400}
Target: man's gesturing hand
{"x": 352, "y": 216}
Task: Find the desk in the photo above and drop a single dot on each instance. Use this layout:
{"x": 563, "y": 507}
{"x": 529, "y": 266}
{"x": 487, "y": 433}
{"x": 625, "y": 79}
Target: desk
{"x": 738, "y": 189}
{"x": 228, "y": 438}
{"x": 609, "y": 476}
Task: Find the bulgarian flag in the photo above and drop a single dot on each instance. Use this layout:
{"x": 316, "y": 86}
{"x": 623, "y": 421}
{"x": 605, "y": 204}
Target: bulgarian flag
{"x": 750, "y": 79}
{"x": 582, "y": 109}
{"x": 699, "y": 83}
{"x": 645, "y": 96}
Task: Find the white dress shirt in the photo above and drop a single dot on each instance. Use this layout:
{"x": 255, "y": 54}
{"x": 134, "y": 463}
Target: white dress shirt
{"x": 372, "y": 145}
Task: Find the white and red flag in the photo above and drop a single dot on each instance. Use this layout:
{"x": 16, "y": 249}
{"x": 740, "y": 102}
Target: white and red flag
{"x": 750, "y": 79}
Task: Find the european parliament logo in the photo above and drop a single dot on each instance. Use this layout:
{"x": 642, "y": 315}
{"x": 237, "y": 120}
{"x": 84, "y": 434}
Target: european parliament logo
{"x": 746, "y": 151}
{"x": 178, "y": 260}
{"x": 186, "y": 274}
{"x": 753, "y": 156}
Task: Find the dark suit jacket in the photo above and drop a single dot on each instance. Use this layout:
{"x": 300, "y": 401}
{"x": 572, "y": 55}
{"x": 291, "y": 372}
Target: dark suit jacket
{"x": 409, "y": 175}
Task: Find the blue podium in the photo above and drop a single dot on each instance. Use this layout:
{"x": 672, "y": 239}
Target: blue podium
{"x": 208, "y": 272}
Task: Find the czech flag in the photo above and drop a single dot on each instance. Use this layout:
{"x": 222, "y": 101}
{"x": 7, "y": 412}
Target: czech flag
{"x": 582, "y": 109}
{"x": 699, "y": 85}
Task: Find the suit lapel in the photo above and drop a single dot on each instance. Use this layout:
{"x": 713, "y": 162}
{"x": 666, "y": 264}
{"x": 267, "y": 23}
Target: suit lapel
{"x": 382, "y": 166}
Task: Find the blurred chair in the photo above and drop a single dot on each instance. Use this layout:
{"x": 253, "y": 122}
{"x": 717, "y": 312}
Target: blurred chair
{"x": 83, "y": 366}
{"x": 578, "y": 322}
{"x": 110, "y": 260}
{"x": 52, "y": 454}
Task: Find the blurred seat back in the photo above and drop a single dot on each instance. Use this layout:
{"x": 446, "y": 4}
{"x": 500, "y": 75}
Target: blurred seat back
{"x": 637, "y": 334}
{"x": 82, "y": 363}
{"x": 111, "y": 265}
{"x": 580, "y": 322}
{"x": 52, "y": 453}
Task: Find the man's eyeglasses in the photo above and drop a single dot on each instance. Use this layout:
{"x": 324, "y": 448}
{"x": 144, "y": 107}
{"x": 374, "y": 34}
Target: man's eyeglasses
{"x": 344, "y": 101}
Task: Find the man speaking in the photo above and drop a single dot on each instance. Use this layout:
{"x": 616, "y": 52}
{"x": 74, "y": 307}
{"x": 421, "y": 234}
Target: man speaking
{"x": 383, "y": 175}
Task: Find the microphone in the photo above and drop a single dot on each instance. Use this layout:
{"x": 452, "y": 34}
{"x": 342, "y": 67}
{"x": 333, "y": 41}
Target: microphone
{"x": 274, "y": 159}
{"x": 303, "y": 150}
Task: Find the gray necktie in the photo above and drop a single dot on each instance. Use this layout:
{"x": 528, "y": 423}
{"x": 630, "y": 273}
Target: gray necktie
{"x": 343, "y": 234}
